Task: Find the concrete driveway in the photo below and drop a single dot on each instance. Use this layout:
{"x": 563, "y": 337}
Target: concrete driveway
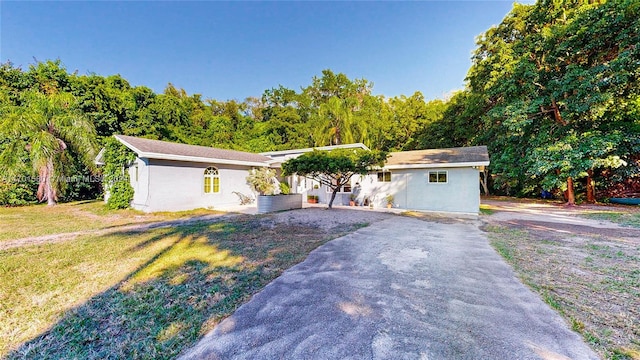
{"x": 401, "y": 288}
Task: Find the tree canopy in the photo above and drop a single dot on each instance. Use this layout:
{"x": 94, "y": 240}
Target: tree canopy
{"x": 553, "y": 92}
{"x": 333, "y": 168}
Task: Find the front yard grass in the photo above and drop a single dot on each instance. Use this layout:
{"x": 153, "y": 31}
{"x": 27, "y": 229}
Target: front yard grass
{"x": 141, "y": 294}
{"x": 39, "y": 220}
{"x": 593, "y": 282}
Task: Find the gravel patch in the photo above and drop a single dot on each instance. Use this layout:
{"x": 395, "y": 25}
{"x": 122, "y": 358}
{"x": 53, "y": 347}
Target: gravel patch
{"x": 327, "y": 219}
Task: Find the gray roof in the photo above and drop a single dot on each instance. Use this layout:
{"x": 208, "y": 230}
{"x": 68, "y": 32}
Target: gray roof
{"x": 472, "y": 155}
{"x": 156, "y": 149}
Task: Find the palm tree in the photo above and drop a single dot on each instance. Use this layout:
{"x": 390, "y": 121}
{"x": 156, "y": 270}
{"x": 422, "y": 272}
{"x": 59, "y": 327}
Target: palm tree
{"x": 46, "y": 126}
{"x": 335, "y": 122}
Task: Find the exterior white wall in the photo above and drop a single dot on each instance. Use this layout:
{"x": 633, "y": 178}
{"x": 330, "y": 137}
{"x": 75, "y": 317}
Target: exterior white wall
{"x": 140, "y": 183}
{"x": 165, "y": 185}
{"x": 411, "y": 190}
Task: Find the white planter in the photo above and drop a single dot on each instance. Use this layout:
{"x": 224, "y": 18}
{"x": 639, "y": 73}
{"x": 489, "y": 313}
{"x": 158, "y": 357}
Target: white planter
{"x": 271, "y": 203}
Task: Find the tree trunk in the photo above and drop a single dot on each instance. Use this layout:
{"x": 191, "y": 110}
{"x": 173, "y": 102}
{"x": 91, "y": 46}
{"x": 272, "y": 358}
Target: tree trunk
{"x": 46, "y": 191}
{"x": 591, "y": 198}
{"x": 333, "y": 196}
{"x": 49, "y": 189}
{"x": 484, "y": 179}
{"x": 571, "y": 198}
{"x": 51, "y": 196}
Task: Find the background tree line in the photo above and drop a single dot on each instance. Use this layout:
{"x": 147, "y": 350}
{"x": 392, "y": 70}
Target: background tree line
{"x": 552, "y": 91}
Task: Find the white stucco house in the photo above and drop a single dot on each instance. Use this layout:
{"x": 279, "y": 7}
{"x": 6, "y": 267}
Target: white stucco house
{"x": 171, "y": 177}
{"x": 442, "y": 180}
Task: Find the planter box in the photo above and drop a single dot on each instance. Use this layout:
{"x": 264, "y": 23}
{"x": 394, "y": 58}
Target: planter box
{"x": 271, "y": 203}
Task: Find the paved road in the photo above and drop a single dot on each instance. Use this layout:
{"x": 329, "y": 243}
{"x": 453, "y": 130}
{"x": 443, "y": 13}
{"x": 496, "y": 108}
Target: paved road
{"x": 402, "y": 288}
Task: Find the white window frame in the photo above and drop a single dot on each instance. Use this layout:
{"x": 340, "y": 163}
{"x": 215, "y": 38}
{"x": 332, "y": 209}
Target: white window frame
{"x": 438, "y": 172}
{"x": 212, "y": 173}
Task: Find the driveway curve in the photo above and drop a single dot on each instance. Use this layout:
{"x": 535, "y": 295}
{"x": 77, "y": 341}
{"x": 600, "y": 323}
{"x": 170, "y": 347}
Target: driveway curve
{"x": 402, "y": 288}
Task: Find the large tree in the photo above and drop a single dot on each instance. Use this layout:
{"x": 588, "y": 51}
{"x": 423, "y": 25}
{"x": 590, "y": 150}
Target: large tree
{"x": 49, "y": 127}
{"x": 334, "y": 168}
{"x": 554, "y": 92}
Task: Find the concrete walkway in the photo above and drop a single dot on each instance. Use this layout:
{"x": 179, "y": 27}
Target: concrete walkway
{"x": 400, "y": 289}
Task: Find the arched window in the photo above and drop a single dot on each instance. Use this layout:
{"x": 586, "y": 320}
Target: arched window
{"x": 211, "y": 180}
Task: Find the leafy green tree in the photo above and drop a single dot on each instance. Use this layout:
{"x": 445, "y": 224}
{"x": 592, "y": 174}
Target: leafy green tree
{"x": 48, "y": 127}
{"x": 331, "y": 85}
{"x": 549, "y": 75}
{"x": 575, "y": 156}
{"x": 107, "y": 101}
{"x": 49, "y": 77}
{"x": 333, "y": 168}
{"x": 333, "y": 123}
{"x": 410, "y": 117}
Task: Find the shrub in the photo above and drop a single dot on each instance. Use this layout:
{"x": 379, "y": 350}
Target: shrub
{"x": 17, "y": 194}
{"x": 263, "y": 181}
{"x": 121, "y": 194}
{"x": 117, "y": 158}
{"x": 284, "y": 188}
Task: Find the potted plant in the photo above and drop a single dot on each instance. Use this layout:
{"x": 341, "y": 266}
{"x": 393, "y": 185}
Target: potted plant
{"x": 272, "y": 195}
{"x": 263, "y": 181}
{"x": 312, "y": 199}
{"x": 352, "y": 200}
{"x": 389, "y": 199}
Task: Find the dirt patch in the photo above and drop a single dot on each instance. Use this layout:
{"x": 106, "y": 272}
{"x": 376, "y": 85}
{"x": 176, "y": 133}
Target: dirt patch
{"x": 560, "y": 229}
{"x": 588, "y": 270}
{"x": 327, "y": 219}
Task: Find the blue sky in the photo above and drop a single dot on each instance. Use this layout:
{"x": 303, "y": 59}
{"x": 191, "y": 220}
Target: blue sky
{"x": 232, "y": 50}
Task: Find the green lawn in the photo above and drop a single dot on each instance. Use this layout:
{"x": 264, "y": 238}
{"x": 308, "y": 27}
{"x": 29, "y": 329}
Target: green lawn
{"x": 140, "y": 294}
{"x": 38, "y": 220}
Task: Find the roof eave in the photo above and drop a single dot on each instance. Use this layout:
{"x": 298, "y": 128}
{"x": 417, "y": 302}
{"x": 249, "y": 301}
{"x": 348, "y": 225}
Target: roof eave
{"x": 438, "y": 165}
{"x": 200, "y": 159}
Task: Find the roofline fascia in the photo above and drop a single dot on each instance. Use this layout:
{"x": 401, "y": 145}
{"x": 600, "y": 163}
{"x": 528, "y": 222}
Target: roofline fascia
{"x": 440, "y": 165}
{"x": 200, "y": 159}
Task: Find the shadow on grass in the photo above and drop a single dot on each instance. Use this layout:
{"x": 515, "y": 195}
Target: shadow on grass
{"x": 180, "y": 293}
